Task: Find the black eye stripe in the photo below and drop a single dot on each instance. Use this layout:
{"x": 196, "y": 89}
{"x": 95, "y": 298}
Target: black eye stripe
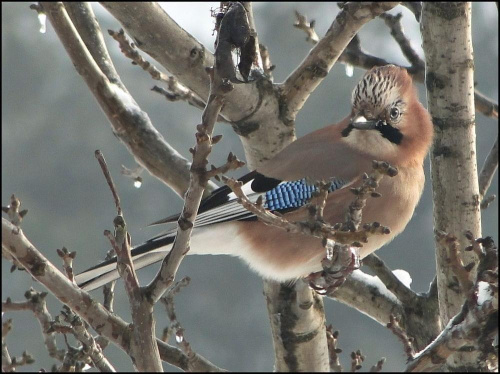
{"x": 387, "y": 131}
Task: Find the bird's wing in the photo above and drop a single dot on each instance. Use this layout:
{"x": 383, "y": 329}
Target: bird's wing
{"x": 221, "y": 206}
{"x": 286, "y": 181}
{"x": 278, "y": 196}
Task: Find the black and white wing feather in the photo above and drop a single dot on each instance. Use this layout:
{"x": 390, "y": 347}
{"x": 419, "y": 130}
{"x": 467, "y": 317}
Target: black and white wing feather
{"x": 221, "y": 206}
{"x": 279, "y": 196}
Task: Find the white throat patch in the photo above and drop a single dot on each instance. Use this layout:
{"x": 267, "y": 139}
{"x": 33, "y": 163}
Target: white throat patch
{"x": 371, "y": 142}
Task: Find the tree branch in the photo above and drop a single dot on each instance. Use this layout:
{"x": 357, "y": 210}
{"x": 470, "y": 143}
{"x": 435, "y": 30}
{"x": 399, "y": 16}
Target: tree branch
{"x": 368, "y": 295}
{"x": 187, "y": 59}
{"x": 455, "y": 189}
{"x": 86, "y": 25}
{"x": 308, "y": 27}
{"x": 475, "y": 326}
{"x": 393, "y": 284}
{"x": 170, "y": 264}
{"x": 219, "y": 87}
{"x": 90, "y": 347}
{"x": 490, "y": 166}
{"x": 354, "y": 55}
{"x": 104, "y": 322}
{"x": 131, "y": 125}
{"x": 394, "y": 23}
{"x": 37, "y": 304}
{"x": 176, "y": 91}
{"x": 315, "y": 67}
{"x": 143, "y": 347}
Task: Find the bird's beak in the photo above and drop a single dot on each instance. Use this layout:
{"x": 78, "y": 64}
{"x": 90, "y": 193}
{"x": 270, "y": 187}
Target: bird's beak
{"x": 361, "y": 123}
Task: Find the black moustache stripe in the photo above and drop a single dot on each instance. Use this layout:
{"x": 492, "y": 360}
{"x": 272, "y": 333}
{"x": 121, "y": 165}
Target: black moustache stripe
{"x": 347, "y": 130}
{"x": 387, "y": 131}
{"x": 390, "y": 133}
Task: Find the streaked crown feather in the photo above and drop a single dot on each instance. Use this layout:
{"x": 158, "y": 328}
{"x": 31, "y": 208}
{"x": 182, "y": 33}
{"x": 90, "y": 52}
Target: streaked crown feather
{"x": 380, "y": 88}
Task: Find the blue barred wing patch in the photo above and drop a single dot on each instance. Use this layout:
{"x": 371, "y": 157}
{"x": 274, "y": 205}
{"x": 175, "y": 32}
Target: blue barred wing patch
{"x": 294, "y": 194}
{"x": 224, "y": 206}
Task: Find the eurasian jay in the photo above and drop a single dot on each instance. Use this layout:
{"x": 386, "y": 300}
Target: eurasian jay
{"x": 386, "y": 123}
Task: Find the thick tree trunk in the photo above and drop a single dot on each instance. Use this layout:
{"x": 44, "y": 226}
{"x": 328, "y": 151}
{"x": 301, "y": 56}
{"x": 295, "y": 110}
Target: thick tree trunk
{"x": 447, "y": 43}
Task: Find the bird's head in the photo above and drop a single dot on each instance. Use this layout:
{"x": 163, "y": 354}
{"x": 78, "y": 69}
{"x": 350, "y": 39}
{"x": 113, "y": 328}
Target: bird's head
{"x": 387, "y": 121}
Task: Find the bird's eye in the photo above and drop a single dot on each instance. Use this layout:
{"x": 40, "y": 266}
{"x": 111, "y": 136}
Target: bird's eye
{"x": 394, "y": 113}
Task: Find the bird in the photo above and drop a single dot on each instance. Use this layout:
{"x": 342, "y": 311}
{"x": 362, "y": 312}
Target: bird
{"x": 386, "y": 123}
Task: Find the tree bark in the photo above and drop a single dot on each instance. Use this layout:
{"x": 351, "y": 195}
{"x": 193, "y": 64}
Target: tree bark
{"x": 298, "y": 327}
{"x": 447, "y": 44}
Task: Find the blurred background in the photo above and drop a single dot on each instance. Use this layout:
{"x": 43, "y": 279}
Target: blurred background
{"x": 51, "y": 126}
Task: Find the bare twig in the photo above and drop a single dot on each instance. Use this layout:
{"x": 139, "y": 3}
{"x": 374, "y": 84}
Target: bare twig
{"x": 232, "y": 164}
{"x": 314, "y": 228}
{"x": 354, "y": 55}
{"x": 120, "y": 242}
{"x": 357, "y": 359}
{"x": 266, "y": 61}
{"x": 90, "y": 347}
{"x": 308, "y": 27}
{"x": 488, "y": 170}
{"x": 144, "y": 349}
{"x": 397, "y": 330}
{"x": 71, "y": 362}
{"x": 37, "y": 304}
{"x": 107, "y": 324}
{"x": 108, "y": 292}
{"x": 461, "y": 271}
{"x": 394, "y": 23}
{"x": 128, "y": 49}
{"x": 6, "y": 327}
{"x": 67, "y": 258}
{"x": 190, "y": 60}
{"x": 129, "y": 122}
{"x": 15, "y": 217}
{"x": 487, "y": 201}
{"x": 109, "y": 180}
{"x": 367, "y": 189}
{"x": 315, "y": 67}
{"x": 25, "y": 359}
{"x": 378, "y": 367}
{"x": 12, "y": 210}
{"x": 175, "y": 326}
{"x": 6, "y": 359}
{"x": 220, "y": 85}
{"x": 342, "y": 257}
{"x": 476, "y": 325}
{"x": 176, "y": 91}
{"x": 333, "y": 349}
{"x": 485, "y": 105}
{"x": 203, "y": 147}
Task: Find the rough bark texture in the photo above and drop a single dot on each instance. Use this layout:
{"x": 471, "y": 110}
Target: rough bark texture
{"x": 446, "y": 31}
{"x": 299, "y": 333}
{"x": 252, "y": 108}
{"x": 447, "y": 43}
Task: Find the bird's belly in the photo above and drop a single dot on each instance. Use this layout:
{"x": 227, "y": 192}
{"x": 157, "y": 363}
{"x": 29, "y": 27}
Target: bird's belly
{"x": 278, "y": 254}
